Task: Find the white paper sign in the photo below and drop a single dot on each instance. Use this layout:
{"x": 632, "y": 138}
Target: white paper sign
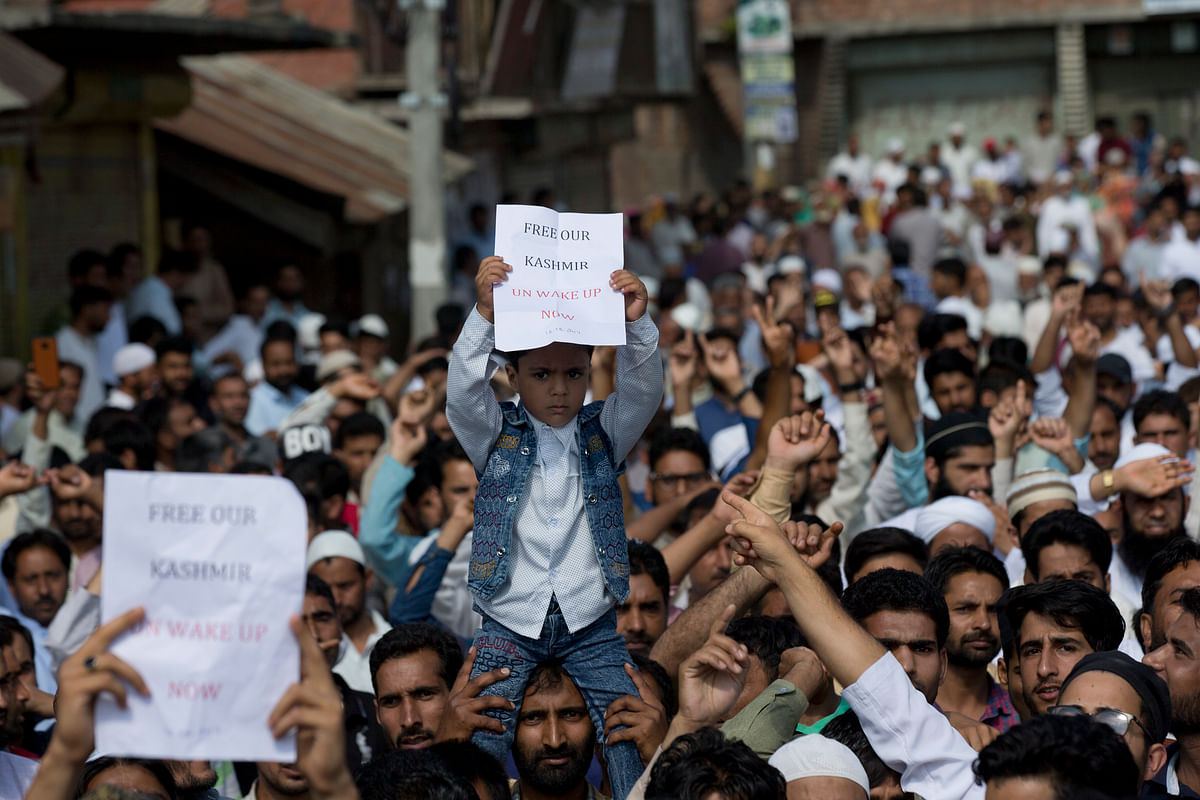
{"x": 217, "y": 561}
{"x": 558, "y": 289}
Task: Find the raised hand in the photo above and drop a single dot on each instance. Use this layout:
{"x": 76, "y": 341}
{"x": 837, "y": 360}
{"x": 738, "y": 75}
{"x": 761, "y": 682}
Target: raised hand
{"x": 742, "y": 483}
{"x": 83, "y": 676}
{"x": 840, "y": 353}
{"x": 71, "y": 483}
{"x": 796, "y": 440}
{"x": 356, "y": 386}
{"x": 642, "y": 714}
{"x": 721, "y": 360}
{"x": 757, "y": 540}
{"x": 636, "y": 295}
{"x": 408, "y": 430}
{"x": 891, "y": 361}
{"x": 1153, "y": 477}
{"x": 812, "y": 542}
{"x": 778, "y": 338}
{"x": 684, "y": 360}
{"x": 1084, "y": 338}
{"x": 313, "y": 708}
{"x": 464, "y": 709}
{"x": 1052, "y": 435}
{"x": 492, "y": 271}
{"x": 1066, "y": 299}
{"x": 711, "y": 680}
{"x": 17, "y": 478}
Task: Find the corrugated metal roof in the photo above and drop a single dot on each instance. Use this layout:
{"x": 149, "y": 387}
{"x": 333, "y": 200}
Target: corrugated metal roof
{"x": 249, "y": 112}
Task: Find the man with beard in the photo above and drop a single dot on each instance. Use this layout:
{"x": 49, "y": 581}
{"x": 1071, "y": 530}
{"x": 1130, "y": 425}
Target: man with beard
{"x": 22, "y": 738}
{"x": 1054, "y": 625}
{"x": 337, "y": 558}
{"x": 278, "y": 395}
{"x": 1148, "y": 525}
{"x": 412, "y": 669}
{"x": 35, "y": 566}
{"x": 907, "y": 616}
{"x": 229, "y": 403}
{"x": 955, "y": 457}
{"x": 971, "y": 581}
{"x": 1178, "y": 662}
{"x": 13, "y": 694}
{"x": 177, "y": 376}
{"x": 78, "y": 511}
{"x": 194, "y": 780}
{"x": 642, "y": 618}
{"x": 554, "y": 739}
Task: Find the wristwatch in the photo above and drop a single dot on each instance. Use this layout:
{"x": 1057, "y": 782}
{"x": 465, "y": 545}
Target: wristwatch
{"x": 1109, "y": 482}
{"x": 847, "y": 388}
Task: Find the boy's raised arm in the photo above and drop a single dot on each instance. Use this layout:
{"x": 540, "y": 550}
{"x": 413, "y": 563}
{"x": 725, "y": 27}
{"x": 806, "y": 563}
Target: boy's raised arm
{"x": 639, "y": 382}
{"x": 471, "y": 407}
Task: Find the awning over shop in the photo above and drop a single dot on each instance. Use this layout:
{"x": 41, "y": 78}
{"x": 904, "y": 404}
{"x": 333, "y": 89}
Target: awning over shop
{"x": 249, "y": 112}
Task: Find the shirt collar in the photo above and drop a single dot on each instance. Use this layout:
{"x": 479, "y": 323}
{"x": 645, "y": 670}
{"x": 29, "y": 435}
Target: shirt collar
{"x": 565, "y": 434}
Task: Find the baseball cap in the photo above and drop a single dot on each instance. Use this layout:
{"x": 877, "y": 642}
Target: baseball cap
{"x": 1116, "y": 366}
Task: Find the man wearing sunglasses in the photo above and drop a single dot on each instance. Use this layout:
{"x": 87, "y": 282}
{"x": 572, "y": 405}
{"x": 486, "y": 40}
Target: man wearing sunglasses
{"x": 1128, "y": 697}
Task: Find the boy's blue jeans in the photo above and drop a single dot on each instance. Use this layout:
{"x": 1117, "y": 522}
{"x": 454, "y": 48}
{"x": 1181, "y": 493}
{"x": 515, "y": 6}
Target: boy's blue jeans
{"x": 594, "y": 658}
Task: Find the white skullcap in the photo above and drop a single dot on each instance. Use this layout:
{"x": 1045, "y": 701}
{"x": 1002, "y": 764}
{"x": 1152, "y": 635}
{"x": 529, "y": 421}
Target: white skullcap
{"x": 1039, "y": 486}
{"x": 131, "y": 358}
{"x": 1189, "y": 166}
{"x": 789, "y": 264}
{"x": 1003, "y": 318}
{"x": 936, "y": 517}
{"x": 334, "y": 544}
{"x": 957, "y": 129}
{"x": 308, "y": 330}
{"x": 1141, "y": 452}
{"x": 829, "y": 278}
{"x": 1029, "y": 265}
{"x": 373, "y": 325}
{"x": 931, "y": 176}
{"x": 895, "y": 145}
{"x": 1063, "y": 178}
{"x": 686, "y": 316}
{"x": 814, "y": 756}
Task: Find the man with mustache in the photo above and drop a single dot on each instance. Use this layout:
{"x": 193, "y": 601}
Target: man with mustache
{"x": 412, "y": 669}
{"x": 642, "y": 618}
{"x": 554, "y": 739}
{"x": 971, "y": 581}
{"x": 36, "y": 565}
{"x": 1054, "y": 625}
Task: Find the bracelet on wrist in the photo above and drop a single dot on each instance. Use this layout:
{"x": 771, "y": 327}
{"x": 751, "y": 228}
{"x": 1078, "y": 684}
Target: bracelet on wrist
{"x": 847, "y": 388}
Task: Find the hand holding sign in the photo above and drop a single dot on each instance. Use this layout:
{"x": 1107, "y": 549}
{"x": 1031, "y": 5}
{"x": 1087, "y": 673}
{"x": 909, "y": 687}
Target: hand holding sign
{"x": 557, "y": 278}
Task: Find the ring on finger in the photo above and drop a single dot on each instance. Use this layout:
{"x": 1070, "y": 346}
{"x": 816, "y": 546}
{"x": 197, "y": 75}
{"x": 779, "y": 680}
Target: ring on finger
{"x": 89, "y": 663}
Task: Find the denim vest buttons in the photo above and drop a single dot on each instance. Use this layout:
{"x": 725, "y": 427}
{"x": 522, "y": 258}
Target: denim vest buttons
{"x": 504, "y": 481}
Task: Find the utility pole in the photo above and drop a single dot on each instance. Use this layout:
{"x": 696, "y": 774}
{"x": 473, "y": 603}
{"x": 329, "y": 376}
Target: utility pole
{"x": 427, "y": 214}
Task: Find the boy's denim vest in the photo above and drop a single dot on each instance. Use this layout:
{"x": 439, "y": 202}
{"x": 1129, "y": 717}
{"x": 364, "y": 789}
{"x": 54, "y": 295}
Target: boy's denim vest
{"x": 504, "y": 482}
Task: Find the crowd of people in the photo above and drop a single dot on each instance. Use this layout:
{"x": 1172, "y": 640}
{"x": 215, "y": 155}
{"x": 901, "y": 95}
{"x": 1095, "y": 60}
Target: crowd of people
{"x": 886, "y": 495}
